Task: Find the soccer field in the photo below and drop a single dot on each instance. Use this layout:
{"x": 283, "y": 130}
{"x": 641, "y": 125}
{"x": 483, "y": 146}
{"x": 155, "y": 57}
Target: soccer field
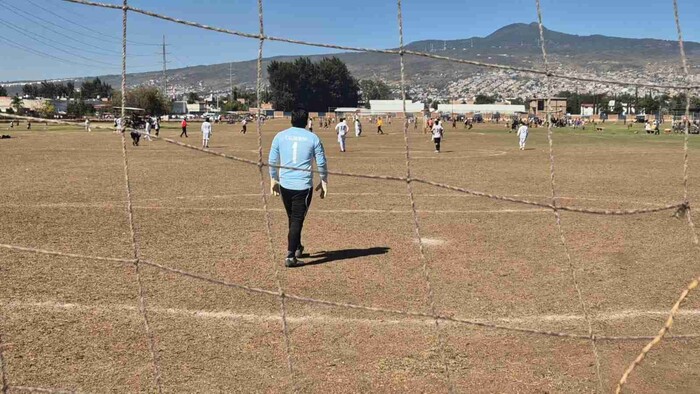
{"x": 74, "y": 323}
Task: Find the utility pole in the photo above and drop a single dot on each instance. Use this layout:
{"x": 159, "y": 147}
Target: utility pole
{"x": 165, "y": 78}
{"x": 230, "y": 79}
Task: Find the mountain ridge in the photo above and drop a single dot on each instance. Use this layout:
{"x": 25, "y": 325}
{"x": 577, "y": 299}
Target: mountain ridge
{"x": 515, "y": 44}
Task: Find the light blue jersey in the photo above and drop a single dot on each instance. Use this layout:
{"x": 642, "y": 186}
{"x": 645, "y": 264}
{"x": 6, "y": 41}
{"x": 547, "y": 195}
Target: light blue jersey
{"x": 296, "y": 148}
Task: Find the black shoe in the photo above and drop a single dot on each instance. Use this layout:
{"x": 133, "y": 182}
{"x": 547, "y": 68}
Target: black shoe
{"x": 291, "y": 262}
{"x": 299, "y": 252}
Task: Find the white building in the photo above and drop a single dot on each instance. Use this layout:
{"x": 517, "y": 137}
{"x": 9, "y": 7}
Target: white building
{"x": 395, "y": 106}
{"x": 587, "y": 109}
{"x": 462, "y": 109}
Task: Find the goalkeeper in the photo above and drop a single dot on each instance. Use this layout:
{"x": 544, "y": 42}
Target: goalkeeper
{"x": 296, "y": 147}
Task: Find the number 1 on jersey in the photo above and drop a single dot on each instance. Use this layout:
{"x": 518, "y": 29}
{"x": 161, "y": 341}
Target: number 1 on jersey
{"x": 295, "y": 149}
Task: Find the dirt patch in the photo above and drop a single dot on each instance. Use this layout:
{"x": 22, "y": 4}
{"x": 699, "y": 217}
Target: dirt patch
{"x": 75, "y": 323}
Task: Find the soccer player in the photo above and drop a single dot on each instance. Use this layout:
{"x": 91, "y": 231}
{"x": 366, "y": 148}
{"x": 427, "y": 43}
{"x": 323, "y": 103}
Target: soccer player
{"x": 244, "y": 127}
{"x": 29, "y": 124}
{"x": 206, "y": 133}
{"x": 310, "y": 124}
{"x": 296, "y": 147}
{"x": 342, "y": 130}
{"x": 157, "y": 125}
{"x": 380, "y": 122}
{"x": 87, "y": 125}
{"x": 437, "y": 135}
{"x": 358, "y": 127}
{"x": 522, "y": 133}
{"x": 184, "y": 128}
{"x": 148, "y": 130}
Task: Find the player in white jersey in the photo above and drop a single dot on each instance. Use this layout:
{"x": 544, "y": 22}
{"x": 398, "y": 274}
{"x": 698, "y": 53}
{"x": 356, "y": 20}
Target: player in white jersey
{"x": 148, "y": 130}
{"x": 437, "y": 132}
{"x": 522, "y": 133}
{"x": 206, "y": 133}
{"x": 87, "y": 125}
{"x": 342, "y": 130}
{"x": 118, "y": 125}
{"x": 358, "y": 127}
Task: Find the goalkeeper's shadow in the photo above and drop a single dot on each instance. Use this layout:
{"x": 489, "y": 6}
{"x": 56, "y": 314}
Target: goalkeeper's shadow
{"x": 341, "y": 255}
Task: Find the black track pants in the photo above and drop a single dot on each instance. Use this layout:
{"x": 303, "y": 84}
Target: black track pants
{"x": 296, "y": 203}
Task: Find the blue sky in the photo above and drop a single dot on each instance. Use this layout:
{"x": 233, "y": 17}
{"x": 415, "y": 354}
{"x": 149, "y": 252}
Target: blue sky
{"x": 43, "y": 39}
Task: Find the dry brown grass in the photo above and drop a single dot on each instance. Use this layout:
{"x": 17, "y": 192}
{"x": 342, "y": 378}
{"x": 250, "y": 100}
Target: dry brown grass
{"x": 75, "y": 324}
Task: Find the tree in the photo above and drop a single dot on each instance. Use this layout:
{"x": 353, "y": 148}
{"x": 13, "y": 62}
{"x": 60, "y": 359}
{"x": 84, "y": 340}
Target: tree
{"x": 95, "y": 89}
{"x": 316, "y": 86}
{"x": 192, "y": 98}
{"x": 17, "y": 104}
{"x": 3, "y": 91}
{"x": 649, "y": 104}
{"x": 517, "y": 101}
{"x": 78, "y": 109}
{"x": 150, "y": 99}
{"x": 30, "y": 90}
{"x": 374, "y": 90}
{"x": 484, "y": 99}
{"x": 47, "y": 110}
{"x": 48, "y": 89}
{"x": 233, "y": 106}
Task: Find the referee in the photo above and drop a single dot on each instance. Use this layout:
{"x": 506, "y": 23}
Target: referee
{"x": 296, "y": 147}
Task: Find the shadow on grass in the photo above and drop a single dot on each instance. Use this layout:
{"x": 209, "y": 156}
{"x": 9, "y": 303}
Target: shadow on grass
{"x": 345, "y": 254}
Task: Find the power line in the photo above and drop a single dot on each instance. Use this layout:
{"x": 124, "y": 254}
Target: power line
{"x": 62, "y": 50}
{"x": 18, "y": 29}
{"x": 40, "y": 53}
{"x": 60, "y": 59}
{"x": 32, "y": 18}
{"x": 102, "y": 35}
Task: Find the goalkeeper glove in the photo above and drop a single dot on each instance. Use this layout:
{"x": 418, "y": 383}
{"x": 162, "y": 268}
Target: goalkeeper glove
{"x": 274, "y": 187}
{"x": 323, "y": 187}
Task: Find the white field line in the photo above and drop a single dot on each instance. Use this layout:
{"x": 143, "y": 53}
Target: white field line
{"x": 225, "y": 209}
{"x": 320, "y": 318}
{"x": 257, "y": 195}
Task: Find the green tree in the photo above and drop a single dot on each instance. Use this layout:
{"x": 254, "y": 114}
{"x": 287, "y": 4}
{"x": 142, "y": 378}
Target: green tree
{"x": 17, "y": 104}
{"x": 374, "y": 90}
{"x": 78, "y": 109}
{"x": 618, "y": 109}
{"x": 3, "y": 91}
{"x": 233, "y": 106}
{"x": 47, "y": 110}
{"x": 150, "y": 99}
{"x": 94, "y": 89}
{"x": 30, "y": 90}
{"x": 484, "y": 99}
{"x": 192, "y": 98}
{"x": 649, "y": 104}
{"x": 316, "y": 86}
